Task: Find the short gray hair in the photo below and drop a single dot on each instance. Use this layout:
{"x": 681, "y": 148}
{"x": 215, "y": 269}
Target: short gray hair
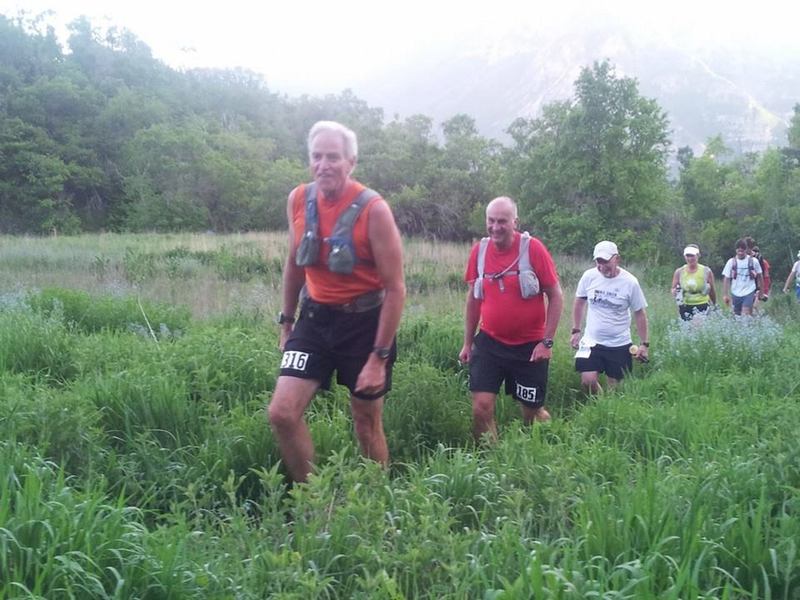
{"x": 348, "y": 136}
{"x": 504, "y": 200}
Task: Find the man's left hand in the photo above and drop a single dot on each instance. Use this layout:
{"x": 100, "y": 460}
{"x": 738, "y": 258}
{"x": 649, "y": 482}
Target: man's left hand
{"x": 540, "y": 352}
{"x": 372, "y": 377}
{"x": 643, "y": 354}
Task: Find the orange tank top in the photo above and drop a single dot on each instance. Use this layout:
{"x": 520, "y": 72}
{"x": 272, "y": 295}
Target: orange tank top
{"x": 323, "y": 285}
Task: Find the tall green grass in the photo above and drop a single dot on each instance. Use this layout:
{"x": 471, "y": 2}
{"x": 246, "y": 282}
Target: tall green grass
{"x": 136, "y": 459}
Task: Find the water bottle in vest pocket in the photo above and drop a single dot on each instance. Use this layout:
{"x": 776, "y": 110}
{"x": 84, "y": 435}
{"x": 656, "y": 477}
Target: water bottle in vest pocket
{"x": 342, "y": 257}
{"x": 308, "y": 250}
{"x": 528, "y": 283}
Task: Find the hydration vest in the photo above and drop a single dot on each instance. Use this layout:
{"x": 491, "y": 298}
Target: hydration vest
{"x": 750, "y": 271}
{"x": 528, "y": 281}
{"x": 342, "y": 255}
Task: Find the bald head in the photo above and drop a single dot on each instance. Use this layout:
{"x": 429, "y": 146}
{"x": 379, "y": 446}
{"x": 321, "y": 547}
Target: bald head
{"x": 503, "y": 203}
{"x": 501, "y": 221}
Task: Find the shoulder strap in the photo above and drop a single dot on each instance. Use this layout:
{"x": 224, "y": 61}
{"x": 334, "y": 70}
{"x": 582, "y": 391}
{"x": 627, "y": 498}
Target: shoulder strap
{"x": 345, "y": 222}
{"x": 484, "y": 244}
{"x": 477, "y": 287}
{"x": 524, "y": 254}
{"x": 311, "y": 217}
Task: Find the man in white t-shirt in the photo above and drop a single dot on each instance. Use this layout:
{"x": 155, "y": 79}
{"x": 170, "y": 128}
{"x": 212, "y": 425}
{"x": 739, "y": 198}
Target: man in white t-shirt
{"x": 610, "y": 293}
{"x": 742, "y": 280}
{"x": 794, "y": 274}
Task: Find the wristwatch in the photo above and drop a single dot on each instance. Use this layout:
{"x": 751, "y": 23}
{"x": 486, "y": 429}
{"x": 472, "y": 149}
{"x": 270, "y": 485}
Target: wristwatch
{"x": 381, "y": 352}
{"x": 547, "y": 342}
{"x": 282, "y": 318}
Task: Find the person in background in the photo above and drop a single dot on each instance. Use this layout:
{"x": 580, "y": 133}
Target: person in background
{"x": 607, "y": 294}
{"x": 794, "y": 273}
{"x": 765, "y": 268}
{"x": 352, "y": 290}
{"x": 509, "y": 275}
{"x": 742, "y": 279}
{"x": 693, "y": 285}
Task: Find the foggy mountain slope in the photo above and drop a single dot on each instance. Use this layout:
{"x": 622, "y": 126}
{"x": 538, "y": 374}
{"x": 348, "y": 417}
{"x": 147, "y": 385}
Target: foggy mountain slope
{"x": 744, "y": 94}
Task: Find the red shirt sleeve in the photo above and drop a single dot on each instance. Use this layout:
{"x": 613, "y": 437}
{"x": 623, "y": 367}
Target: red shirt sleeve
{"x": 471, "y": 273}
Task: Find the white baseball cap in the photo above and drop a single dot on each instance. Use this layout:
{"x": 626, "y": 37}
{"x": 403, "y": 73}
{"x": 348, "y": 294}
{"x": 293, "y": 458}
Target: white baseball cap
{"x": 605, "y": 250}
{"x": 693, "y": 250}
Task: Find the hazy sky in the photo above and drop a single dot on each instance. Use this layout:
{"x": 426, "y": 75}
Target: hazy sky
{"x": 326, "y": 46}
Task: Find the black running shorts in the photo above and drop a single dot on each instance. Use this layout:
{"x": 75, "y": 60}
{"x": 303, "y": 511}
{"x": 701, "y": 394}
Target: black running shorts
{"x": 493, "y": 362}
{"x": 614, "y": 362}
{"x": 325, "y": 340}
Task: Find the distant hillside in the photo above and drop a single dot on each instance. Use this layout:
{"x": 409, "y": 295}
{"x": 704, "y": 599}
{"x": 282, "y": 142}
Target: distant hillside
{"x": 744, "y": 94}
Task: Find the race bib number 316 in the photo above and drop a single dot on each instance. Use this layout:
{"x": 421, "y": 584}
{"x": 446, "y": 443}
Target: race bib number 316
{"x": 294, "y": 360}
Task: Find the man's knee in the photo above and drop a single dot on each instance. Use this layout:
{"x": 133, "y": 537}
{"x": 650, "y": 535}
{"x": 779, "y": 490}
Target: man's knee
{"x": 281, "y": 415}
{"x": 483, "y": 406}
{"x": 590, "y": 378}
{"x": 288, "y": 403}
{"x": 367, "y": 414}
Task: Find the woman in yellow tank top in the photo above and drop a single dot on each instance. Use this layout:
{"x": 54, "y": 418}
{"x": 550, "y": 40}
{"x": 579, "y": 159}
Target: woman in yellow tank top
{"x": 693, "y": 285}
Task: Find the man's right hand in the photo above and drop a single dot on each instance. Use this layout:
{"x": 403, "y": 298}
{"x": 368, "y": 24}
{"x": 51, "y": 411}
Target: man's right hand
{"x": 465, "y": 354}
{"x": 726, "y": 299}
{"x": 575, "y": 339}
{"x": 286, "y": 330}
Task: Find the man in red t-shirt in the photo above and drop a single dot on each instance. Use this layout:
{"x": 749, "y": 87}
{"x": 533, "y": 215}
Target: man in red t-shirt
{"x": 515, "y": 339}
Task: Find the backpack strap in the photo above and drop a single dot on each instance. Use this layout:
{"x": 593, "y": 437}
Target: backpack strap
{"x": 477, "y": 288}
{"x": 311, "y": 216}
{"x": 345, "y": 222}
{"x": 735, "y": 268}
{"x": 524, "y": 254}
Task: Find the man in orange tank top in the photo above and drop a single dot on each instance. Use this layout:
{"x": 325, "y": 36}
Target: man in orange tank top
{"x": 347, "y": 322}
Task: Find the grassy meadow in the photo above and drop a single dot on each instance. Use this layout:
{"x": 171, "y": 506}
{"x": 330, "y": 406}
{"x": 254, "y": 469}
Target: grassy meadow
{"x": 136, "y": 461}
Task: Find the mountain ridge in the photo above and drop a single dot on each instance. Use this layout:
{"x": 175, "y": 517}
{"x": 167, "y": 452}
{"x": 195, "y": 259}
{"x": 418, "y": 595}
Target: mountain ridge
{"x": 743, "y": 93}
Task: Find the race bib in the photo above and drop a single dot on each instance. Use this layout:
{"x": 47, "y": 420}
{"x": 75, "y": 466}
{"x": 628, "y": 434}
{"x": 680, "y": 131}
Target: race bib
{"x": 584, "y": 348}
{"x": 294, "y": 360}
{"x": 526, "y": 394}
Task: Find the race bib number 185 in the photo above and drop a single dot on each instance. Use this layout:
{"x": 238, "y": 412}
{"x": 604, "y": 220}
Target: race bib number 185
{"x": 526, "y": 394}
{"x": 294, "y": 360}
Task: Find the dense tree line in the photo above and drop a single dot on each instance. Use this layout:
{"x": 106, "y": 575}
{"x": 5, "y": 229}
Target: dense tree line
{"x": 105, "y": 137}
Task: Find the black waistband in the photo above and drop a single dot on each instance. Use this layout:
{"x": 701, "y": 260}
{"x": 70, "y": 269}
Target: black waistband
{"x": 363, "y": 303}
